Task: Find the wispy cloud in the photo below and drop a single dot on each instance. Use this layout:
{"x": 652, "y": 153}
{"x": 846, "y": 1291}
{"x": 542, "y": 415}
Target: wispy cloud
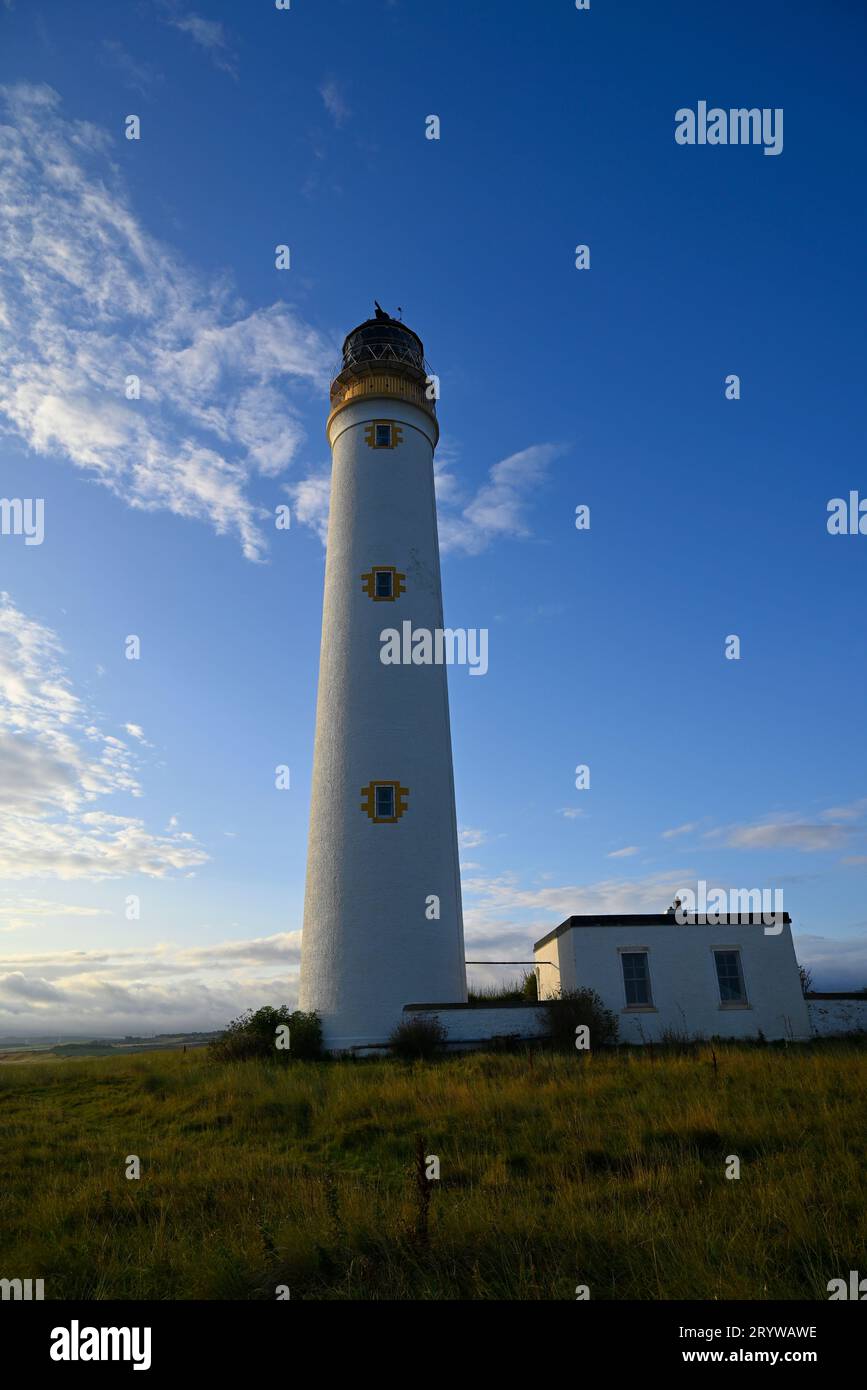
{"x": 830, "y": 829}
{"x": 785, "y": 832}
{"x": 55, "y": 764}
{"x": 18, "y": 913}
{"x": 624, "y": 853}
{"x": 334, "y": 100}
{"x": 471, "y": 839}
{"x": 90, "y": 299}
{"x": 854, "y": 810}
{"x": 499, "y": 508}
{"x": 310, "y": 500}
{"x": 210, "y": 35}
{"x": 143, "y": 77}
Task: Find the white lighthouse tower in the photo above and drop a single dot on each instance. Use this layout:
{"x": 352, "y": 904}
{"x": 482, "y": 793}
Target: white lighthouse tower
{"x": 382, "y": 911}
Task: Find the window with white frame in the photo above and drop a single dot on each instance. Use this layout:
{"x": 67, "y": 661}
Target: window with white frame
{"x": 636, "y": 979}
{"x": 385, "y": 802}
{"x": 382, "y": 438}
{"x": 730, "y": 977}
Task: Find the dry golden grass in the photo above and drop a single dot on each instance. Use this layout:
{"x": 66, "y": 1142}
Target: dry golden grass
{"x": 607, "y": 1171}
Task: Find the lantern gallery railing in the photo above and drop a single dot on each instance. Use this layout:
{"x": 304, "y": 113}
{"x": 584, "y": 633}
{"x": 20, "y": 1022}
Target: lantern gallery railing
{"x": 363, "y": 351}
{"x": 350, "y": 387}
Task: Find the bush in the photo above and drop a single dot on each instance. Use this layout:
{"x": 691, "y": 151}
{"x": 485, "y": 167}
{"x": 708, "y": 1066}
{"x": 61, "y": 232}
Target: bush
{"x": 255, "y": 1035}
{"x": 418, "y": 1037}
{"x": 574, "y": 1007}
{"x": 530, "y": 987}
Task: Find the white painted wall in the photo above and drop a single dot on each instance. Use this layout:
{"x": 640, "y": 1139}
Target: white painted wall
{"x": 367, "y": 947}
{"x": 826, "y": 1017}
{"x": 683, "y": 978}
{"x": 834, "y": 1017}
{"x": 478, "y": 1024}
{"x": 549, "y": 969}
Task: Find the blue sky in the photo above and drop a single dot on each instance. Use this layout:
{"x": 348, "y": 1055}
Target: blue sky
{"x": 605, "y": 386}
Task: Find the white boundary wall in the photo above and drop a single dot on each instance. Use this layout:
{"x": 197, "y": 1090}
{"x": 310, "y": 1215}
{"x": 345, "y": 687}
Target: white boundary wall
{"x": 833, "y": 1017}
{"x": 827, "y": 1017}
{"x": 472, "y": 1024}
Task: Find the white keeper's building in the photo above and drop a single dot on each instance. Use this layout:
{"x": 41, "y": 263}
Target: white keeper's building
{"x": 733, "y": 979}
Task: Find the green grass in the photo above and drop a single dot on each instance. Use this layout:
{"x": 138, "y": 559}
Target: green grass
{"x": 606, "y": 1171}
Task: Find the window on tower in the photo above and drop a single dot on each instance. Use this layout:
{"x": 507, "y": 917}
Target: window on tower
{"x": 385, "y": 803}
{"x": 384, "y": 583}
{"x": 383, "y": 434}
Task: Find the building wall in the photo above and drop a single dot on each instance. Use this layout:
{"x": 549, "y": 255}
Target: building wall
{"x": 473, "y": 1024}
{"x": 683, "y": 979}
{"x": 826, "y": 1018}
{"x": 367, "y": 946}
{"x": 834, "y": 1017}
{"x": 549, "y": 969}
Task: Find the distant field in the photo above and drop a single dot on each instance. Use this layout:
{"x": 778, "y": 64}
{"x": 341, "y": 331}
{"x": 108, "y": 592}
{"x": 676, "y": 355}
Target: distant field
{"x": 556, "y": 1171}
{"x": 98, "y": 1047}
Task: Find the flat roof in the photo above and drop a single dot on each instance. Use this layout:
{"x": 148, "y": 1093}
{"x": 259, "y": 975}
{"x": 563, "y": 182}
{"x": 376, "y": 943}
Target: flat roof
{"x": 653, "y": 919}
{"x": 480, "y": 1004}
{"x": 854, "y": 994}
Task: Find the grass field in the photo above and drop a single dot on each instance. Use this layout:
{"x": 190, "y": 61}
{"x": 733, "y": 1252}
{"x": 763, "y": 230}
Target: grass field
{"x": 555, "y": 1171}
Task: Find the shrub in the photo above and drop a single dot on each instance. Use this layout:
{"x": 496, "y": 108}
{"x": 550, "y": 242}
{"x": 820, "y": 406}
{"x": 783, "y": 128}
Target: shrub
{"x": 571, "y": 1008}
{"x": 254, "y": 1034}
{"x": 530, "y": 987}
{"x": 419, "y": 1036}
{"x": 305, "y": 1036}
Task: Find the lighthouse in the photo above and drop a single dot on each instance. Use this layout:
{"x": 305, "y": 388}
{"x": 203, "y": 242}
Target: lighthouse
{"x": 382, "y": 909}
